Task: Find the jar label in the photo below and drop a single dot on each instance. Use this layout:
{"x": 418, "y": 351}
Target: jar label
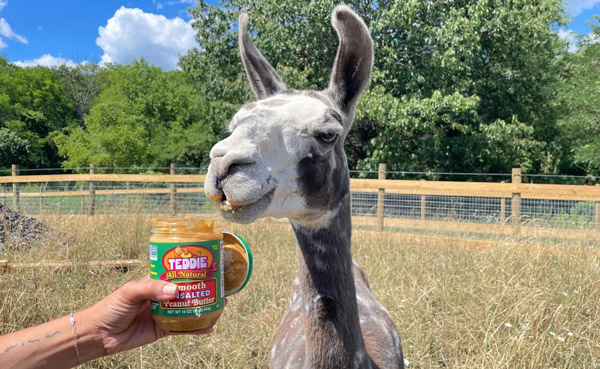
{"x": 195, "y": 268}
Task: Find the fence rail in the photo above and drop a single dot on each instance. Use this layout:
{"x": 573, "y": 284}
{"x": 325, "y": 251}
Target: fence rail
{"x": 154, "y": 178}
{"x": 546, "y": 210}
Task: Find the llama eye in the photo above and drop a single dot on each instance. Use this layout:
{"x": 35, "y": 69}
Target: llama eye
{"x": 327, "y": 137}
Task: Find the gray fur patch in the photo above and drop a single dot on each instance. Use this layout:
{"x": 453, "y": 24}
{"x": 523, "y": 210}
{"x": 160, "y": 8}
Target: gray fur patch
{"x": 274, "y": 103}
{"x": 264, "y": 113}
{"x": 250, "y": 106}
{"x": 319, "y": 96}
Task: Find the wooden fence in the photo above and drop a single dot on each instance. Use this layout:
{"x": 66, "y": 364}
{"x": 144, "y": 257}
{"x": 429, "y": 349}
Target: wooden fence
{"x": 509, "y": 222}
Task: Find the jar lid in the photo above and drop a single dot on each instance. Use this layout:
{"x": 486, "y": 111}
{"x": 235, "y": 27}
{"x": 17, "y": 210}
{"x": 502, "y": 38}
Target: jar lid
{"x": 237, "y": 261}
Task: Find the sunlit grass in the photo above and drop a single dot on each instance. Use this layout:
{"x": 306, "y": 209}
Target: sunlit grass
{"x": 457, "y": 303}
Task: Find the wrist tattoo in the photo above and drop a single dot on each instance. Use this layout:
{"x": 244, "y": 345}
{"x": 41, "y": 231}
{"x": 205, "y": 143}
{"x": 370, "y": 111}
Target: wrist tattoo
{"x": 6, "y": 350}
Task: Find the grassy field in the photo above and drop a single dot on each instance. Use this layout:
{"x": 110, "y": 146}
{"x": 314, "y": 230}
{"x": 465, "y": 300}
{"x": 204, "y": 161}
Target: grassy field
{"x": 457, "y": 303}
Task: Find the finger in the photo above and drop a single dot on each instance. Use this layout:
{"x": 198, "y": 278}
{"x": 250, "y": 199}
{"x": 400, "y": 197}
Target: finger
{"x": 200, "y": 332}
{"x": 137, "y": 291}
{"x": 145, "y": 278}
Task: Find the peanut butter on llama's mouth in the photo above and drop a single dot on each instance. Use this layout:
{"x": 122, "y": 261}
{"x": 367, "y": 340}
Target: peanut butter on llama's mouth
{"x": 224, "y": 205}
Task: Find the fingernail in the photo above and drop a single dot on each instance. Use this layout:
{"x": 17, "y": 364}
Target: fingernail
{"x": 169, "y": 289}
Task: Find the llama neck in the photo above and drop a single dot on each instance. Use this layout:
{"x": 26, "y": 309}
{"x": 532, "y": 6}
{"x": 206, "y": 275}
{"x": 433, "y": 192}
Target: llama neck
{"x": 332, "y": 328}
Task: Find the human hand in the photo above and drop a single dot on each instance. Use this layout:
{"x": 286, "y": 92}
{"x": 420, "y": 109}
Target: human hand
{"x": 123, "y": 320}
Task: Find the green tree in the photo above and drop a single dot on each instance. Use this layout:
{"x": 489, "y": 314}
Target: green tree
{"x": 81, "y": 84}
{"x": 440, "y": 133}
{"x": 32, "y": 106}
{"x": 145, "y": 117}
{"x": 580, "y": 98}
{"x": 13, "y": 149}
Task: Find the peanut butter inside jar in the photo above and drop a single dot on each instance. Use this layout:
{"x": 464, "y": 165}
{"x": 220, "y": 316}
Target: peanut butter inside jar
{"x": 237, "y": 263}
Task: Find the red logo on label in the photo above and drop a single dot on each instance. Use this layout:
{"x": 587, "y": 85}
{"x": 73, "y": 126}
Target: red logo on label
{"x": 188, "y": 262}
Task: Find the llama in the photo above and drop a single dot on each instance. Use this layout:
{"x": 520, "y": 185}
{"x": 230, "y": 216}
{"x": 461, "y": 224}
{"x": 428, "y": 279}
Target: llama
{"x": 285, "y": 158}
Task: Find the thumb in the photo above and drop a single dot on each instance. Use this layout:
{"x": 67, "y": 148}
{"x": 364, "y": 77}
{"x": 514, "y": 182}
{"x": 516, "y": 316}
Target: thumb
{"x": 137, "y": 291}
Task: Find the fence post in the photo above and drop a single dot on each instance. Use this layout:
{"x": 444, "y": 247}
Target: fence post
{"x": 82, "y": 199}
{"x": 597, "y": 214}
{"x": 128, "y": 198}
{"x": 92, "y": 207}
{"x": 15, "y": 172}
{"x": 41, "y": 199}
{"x": 502, "y": 214}
{"x": 173, "y": 190}
{"x": 381, "y": 197}
{"x": 423, "y": 205}
{"x": 3, "y": 197}
{"x": 516, "y": 201}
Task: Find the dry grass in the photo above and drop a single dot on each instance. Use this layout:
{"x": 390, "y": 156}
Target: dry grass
{"x": 457, "y": 303}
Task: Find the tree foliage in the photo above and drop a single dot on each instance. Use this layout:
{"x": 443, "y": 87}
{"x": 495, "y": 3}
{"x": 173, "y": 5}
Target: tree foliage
{"x": 32, "y": 106}
{"x": 81, "y": 84}
{"x": 501, "y": 53}
{"x": 13, "y": 149}
{"x": 580, "y": 99}
{"x": 144, "y": 117}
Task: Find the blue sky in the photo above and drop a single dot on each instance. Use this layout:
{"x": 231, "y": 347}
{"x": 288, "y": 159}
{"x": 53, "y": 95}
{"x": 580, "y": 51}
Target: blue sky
{"x": 52, "y": 32}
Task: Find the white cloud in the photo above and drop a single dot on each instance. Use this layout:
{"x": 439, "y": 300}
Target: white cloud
{"x": 569, "y": 36}
{"x": 7, "y": 32}
{"x": 577, "y": 6}
{"x": 46, "y": 60}
{"x": 132, "y": 33}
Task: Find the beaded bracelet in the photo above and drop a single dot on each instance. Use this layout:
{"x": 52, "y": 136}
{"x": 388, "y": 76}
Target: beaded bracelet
{"x": 75, "y": 335}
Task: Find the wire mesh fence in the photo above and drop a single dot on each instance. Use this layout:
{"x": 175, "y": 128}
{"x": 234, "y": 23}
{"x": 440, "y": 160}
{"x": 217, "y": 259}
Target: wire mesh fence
{"x": 65, "y": 198}
{"x": 479, "y": 177}
{"x": 484, "y": 210}
{"x": 482, "y": 207}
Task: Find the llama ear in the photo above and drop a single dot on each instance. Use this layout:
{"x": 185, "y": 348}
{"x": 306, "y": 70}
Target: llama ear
{"x": 263, "y": 78}
{"x": 354, "y": 60}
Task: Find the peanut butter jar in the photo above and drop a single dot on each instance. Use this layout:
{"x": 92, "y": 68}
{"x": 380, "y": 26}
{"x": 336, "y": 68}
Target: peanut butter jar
{"x": 190, "y": 252}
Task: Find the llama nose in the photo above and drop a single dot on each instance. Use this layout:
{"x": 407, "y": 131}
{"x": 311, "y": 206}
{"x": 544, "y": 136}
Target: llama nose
{"x": 223, "y": 165}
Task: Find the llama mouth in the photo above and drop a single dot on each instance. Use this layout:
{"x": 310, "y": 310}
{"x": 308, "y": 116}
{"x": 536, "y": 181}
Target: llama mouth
{"x": 243, "y": 213}
{"x": 224, "y": 205}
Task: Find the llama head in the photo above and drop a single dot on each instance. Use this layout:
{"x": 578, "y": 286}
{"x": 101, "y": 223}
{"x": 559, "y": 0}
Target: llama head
{"x": 284, "y": 156}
